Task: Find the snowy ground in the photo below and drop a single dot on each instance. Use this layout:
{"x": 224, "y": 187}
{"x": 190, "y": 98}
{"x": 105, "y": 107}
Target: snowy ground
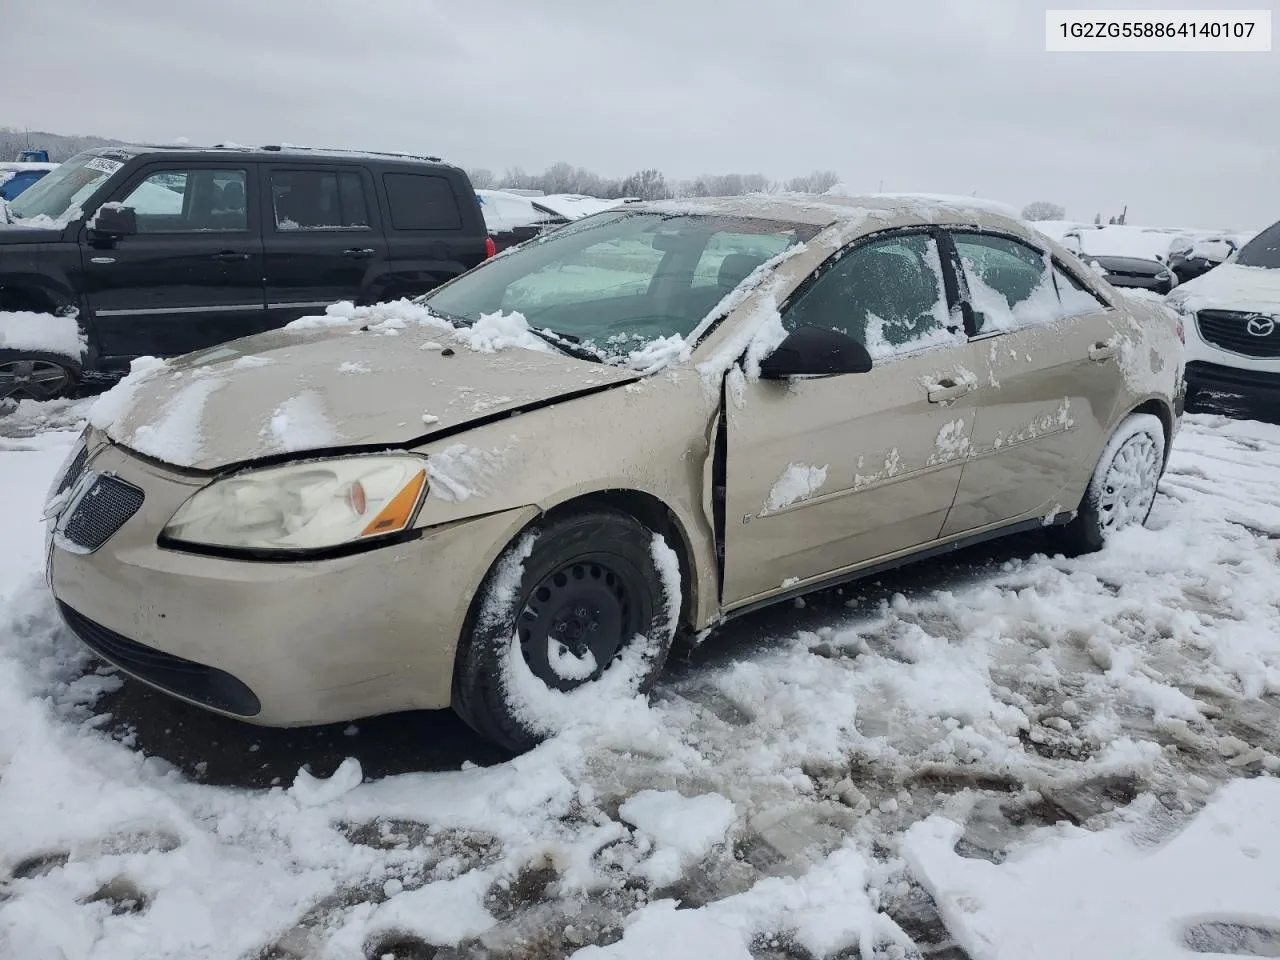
{"x": 998, "y": 755}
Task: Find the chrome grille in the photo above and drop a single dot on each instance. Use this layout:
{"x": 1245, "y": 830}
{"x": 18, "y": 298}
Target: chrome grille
{"x": 1230, "y": 330}
{"x": 74, "y": 469}
{"x": 101, "y": 511}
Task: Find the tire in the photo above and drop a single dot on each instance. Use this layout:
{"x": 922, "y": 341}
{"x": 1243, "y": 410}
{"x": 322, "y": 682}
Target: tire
{"x": 594, "y": 580}
{"x": 1122, "y": 490}
{"x": 35, "y": 375}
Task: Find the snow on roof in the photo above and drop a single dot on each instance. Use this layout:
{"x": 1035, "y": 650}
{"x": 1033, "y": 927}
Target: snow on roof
{"x": 950, "y": 201}
{"x": 17, "y": 166}
{"x": 829, "y": 208}
{"x": 576, "y": 205}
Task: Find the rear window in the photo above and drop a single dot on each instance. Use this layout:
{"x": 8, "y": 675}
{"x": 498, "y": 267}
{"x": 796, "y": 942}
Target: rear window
{"x": 1263, "y": 250}
{"x": 421, "y": 202}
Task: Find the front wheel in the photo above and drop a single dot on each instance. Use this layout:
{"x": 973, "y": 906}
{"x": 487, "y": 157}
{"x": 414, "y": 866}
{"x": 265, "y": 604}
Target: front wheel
{"x": 1122, "y": 489}
{"x": 579, "y": 611}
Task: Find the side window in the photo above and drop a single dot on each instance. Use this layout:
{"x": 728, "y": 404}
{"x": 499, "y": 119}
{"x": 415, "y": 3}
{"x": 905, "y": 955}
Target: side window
{"x": 421, "y": 202}
{"x": 1010, "y": 284}
{"x": 355, "y": 212}
{"x": 190, "y": 201}
{"x": 888, "y": 294}
{"x": 1077, "y": 299}
{"x": 318, "y": 200}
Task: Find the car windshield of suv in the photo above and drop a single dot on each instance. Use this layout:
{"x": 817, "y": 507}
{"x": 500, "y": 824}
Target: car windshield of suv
{"x": 1263, "y": 250}
{"x": 58, "y": 196}
{"x": 618, "y": 280}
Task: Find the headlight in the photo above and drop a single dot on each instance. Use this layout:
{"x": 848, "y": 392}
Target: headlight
{"x": 305, "y": 506}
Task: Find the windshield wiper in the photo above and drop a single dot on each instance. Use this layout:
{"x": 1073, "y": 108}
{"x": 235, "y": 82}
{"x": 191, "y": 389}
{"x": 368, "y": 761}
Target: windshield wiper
{"x": 568, "y": 344}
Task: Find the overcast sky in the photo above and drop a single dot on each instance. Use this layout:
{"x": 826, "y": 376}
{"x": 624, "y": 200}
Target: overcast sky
{"x": 944, "y": 96}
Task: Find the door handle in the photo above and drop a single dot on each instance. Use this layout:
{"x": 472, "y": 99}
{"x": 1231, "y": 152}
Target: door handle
{"x": 949, "y": 389}
{"x": 358, "y": 253}
{"x": 227, "y": 256}
{"x": 1102, "y": 351}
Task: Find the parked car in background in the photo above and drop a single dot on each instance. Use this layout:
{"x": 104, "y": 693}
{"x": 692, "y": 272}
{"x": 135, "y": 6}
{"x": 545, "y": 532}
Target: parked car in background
{"x": 1134, "y": 273}
{"x": 1193, "y": 257}
{"x": 263, "y": 531}
{"x": 160, "y": 251}
{"x": 1233, "y": 322}
{"x": 16, "y": 177}
{"x": 511, "y": 218}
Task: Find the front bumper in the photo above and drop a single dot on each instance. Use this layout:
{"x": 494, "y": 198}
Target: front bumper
{"x": 279, "y": 644}
{"x": 1260, "y": 384}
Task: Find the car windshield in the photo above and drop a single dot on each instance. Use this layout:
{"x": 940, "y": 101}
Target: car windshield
{"x": 620, "y": 279}
{"x": 57, "y": 196}
{"x": 1263, "y": 250}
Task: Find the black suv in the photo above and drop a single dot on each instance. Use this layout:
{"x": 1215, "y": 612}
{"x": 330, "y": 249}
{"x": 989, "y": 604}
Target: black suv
{"x": 161, "y": 251}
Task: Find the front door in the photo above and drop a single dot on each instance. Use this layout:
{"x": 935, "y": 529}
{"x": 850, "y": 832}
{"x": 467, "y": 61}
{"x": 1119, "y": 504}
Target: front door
{"x": 1048, "y": 382}
{"x": 827, "y": 473}
{"x": 192, "y": 275}
{"x": 321, "y": 239}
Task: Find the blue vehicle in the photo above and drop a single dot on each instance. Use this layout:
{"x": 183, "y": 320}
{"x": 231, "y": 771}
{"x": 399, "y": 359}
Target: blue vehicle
{"x": 16, "y": 177}
{"x": 33, "y": 156}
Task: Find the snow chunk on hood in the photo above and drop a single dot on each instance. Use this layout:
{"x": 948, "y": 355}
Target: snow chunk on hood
{"x": 499, "y": 331}
{"x": 117, "y": 403}
{"x": 42, "y": 332}
{"x": 300, "y": 423}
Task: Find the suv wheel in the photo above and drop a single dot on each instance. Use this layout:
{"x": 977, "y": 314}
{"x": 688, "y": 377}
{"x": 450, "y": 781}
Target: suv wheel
{"x": 1122, "y": 490}
{"x": 26, "y": 375}
{"x": 576, "y": 613}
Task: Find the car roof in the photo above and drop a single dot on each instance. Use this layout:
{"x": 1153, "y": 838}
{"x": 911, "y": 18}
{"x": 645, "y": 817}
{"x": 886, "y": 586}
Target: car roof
{"x": 270, "y": 151}
{"x": 826, "y": 209}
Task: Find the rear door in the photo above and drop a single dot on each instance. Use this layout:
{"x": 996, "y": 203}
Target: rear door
{"x": 322, "y": 238}
{"x": 434, "y": 226}
{"x": 192, "y": 275}
{"x": 1049, "y": 381}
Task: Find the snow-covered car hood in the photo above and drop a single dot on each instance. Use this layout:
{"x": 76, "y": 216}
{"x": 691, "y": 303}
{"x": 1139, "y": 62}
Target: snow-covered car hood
{"x": 297, "y": 390}
{"x": 1231, "y": 287}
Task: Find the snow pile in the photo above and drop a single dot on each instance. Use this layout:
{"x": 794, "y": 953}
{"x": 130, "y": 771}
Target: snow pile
{"x": 825, "y": 911}
{"x": 1113, "y": 894}
{"x": 42, "y": 333}
{"x": 500, "y": 331}
{"x": 798, "y": 482}
{"x": 685, "y": 829}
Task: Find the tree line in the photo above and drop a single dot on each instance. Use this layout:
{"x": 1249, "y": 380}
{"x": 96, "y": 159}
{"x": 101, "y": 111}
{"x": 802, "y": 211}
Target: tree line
{"x": 649, "y": 184}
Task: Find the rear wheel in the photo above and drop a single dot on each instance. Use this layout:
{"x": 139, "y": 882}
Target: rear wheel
{"x": 31, "y": 375}
{"x": 1122, "y": 490}
{"x": 577, "y": 611}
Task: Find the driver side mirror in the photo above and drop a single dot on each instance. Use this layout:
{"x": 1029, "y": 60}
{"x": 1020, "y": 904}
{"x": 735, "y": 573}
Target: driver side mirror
{"x": 113, "y": 220}
{"x": 815, "y": 352}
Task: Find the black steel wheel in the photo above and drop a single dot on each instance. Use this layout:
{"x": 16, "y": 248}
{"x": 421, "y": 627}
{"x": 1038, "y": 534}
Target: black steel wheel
{"x": 590, "y": 593}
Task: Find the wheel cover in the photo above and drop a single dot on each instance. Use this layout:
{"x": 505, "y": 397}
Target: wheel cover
{"x": 577, "y": 620}
{"x": 1129, "y": 488}
{"x": 33, "y": 379}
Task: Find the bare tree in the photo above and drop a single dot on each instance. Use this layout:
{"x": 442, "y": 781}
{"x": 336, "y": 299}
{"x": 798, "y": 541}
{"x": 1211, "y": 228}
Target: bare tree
{"x": 647, "y": 185}
{"x": 481, "y": 178}
{"x": 1043, "y": 210}
{"x": 819, "y": 181}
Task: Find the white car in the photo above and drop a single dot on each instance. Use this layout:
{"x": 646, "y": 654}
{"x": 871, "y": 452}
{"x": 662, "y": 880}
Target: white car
{"x": 1232, "y": 321}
